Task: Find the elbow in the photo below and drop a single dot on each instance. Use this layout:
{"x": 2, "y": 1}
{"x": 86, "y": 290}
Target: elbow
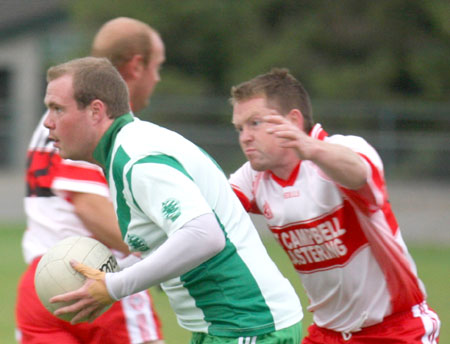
{"x": 81, "y": 211}
{"x": 220, "y": 246}
{"x": 216, "y": 244}
{"x": 355, "y": 183}
{"x": 207, "y": 235}
{"x": 359, "y": 176}
{"x": 362, "y": 176}
{"x": 358, "y": 182}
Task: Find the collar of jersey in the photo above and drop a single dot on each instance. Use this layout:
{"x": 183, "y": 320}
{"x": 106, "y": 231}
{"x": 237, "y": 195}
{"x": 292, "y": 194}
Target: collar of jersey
{"x": 290, "y": 180}
{"x": 102, "y": 152}
{"x": 317, "y": 132}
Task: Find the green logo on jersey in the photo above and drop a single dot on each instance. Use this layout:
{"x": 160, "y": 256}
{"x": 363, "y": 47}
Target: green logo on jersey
{"x": 171, "y": 209}
{"x": 136, "y": 243}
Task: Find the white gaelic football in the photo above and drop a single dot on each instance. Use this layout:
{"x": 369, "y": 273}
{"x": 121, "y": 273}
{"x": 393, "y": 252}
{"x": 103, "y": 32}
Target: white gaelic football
{"x": 55, "y": 276}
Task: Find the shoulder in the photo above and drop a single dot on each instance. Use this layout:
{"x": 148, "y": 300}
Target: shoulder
{"x": 245, "y": 171}
{"x": 347, "y": 140}
{"x": 358, "y": 145}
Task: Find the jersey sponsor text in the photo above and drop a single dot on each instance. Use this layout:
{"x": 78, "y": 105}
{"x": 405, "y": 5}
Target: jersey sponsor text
{"x": 317, "y": 244}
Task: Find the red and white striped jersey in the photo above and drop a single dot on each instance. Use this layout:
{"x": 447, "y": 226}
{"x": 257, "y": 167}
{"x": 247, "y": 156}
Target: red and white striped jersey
{"x": 345, "y": 244}
{"x": 50, "y": 179}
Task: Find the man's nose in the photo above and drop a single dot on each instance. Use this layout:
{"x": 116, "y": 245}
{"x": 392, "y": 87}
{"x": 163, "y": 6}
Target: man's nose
{"x": 245, "y": 135}
{"x": 48, "y": 121}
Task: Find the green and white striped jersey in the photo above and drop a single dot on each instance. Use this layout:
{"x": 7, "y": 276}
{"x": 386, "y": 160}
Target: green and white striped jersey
{"x": 159, "y": 181}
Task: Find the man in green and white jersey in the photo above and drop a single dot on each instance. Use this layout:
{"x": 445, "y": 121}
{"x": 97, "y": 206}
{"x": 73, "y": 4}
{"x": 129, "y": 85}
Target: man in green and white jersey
{"x": 176, "y": 208}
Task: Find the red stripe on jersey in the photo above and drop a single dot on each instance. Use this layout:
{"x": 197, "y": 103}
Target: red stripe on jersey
{"x": 80, "y": 172}
{"x": 380, "y": 226}
{"x": 41, "y": 169}
{"x": 380, "y": 229}
{"x": 366, "y": 201}
{"x": 317, "y": 132}
{"x": 322, "y": 243}
{"x": 156, "y": 320}
{"x": 322, "y": 134}
{"x": 248, "y": 205}
{"x": 364, "y": 197}
{"x": 402, "y": 283}
{"x": 244, "y": 200}
{"x": 390, "y": 218}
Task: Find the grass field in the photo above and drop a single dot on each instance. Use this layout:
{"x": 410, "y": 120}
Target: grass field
{"x": 432, "y": 261}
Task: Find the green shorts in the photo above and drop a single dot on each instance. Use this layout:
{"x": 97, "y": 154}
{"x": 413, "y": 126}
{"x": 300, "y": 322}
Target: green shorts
{"x": 289, "y": 335}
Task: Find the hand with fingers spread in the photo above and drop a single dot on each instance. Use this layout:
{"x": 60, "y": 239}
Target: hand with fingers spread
{"x": 91, "y": 299}
{"x": 337, "y": 161}
{"x": 290, "y": 135}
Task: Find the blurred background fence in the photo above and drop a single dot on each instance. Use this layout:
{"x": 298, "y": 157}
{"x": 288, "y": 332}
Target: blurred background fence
{"x": 412, "y": 138}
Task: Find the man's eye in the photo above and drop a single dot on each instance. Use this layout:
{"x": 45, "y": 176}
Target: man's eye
{"x": 255, "y": 123}
{"x": 238, "y": 129}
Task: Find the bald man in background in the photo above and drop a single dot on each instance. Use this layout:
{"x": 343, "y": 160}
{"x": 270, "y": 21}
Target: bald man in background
{"x": 125, "y": 42}
{"x": 66, "y": 198}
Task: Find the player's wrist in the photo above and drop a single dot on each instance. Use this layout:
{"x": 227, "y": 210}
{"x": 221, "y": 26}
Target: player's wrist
{"x": 109, "y": 285}
{"x": 98, "y": 290}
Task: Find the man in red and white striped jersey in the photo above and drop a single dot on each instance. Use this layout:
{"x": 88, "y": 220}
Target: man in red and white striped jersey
{"x": 66, "y": 198}
{"x": 325, "y": 200}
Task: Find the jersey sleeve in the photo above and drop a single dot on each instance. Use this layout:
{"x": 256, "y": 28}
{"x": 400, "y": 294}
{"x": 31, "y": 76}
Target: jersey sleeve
{"x": 79, "y": 176}
{"x": 166, "y": 194}
{"x": 242, "y": 181}
{"x": 373, "y": 195}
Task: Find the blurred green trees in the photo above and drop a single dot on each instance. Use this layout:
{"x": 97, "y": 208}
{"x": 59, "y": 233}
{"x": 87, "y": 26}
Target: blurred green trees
{"x": 347, "y": 49}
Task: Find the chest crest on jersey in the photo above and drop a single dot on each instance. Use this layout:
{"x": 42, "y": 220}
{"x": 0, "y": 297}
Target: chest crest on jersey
{"x": 267, "y": 211}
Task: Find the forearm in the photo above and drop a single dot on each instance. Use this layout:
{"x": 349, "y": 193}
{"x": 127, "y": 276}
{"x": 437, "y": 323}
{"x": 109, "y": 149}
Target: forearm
{"x": 340, "y": 163}
{"x": 193, "y": 244}
{"x": 98, "y": 216}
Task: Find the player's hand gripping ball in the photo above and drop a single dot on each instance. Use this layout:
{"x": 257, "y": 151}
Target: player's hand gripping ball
{"x": 54, "y": 274}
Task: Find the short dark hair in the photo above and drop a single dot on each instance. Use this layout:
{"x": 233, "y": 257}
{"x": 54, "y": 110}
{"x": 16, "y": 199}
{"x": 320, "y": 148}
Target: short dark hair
{"x": 95, "y": 78}
{"x": 281, "y": 90}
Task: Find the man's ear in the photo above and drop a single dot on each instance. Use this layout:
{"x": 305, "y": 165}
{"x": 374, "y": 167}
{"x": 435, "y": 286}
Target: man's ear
{"x": 132, "y": 69}
{"x": 98, "y": 110}
{"x": 296, "y": 117}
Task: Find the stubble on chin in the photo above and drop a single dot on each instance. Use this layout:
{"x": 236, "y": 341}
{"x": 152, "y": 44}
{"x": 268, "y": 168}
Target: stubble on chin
{"x": 256, "y": 166}
{"x": 64, "y": 155}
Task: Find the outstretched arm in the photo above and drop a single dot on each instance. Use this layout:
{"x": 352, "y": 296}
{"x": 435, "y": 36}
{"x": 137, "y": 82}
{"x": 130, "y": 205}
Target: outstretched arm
{"x": 338, "y": 162}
